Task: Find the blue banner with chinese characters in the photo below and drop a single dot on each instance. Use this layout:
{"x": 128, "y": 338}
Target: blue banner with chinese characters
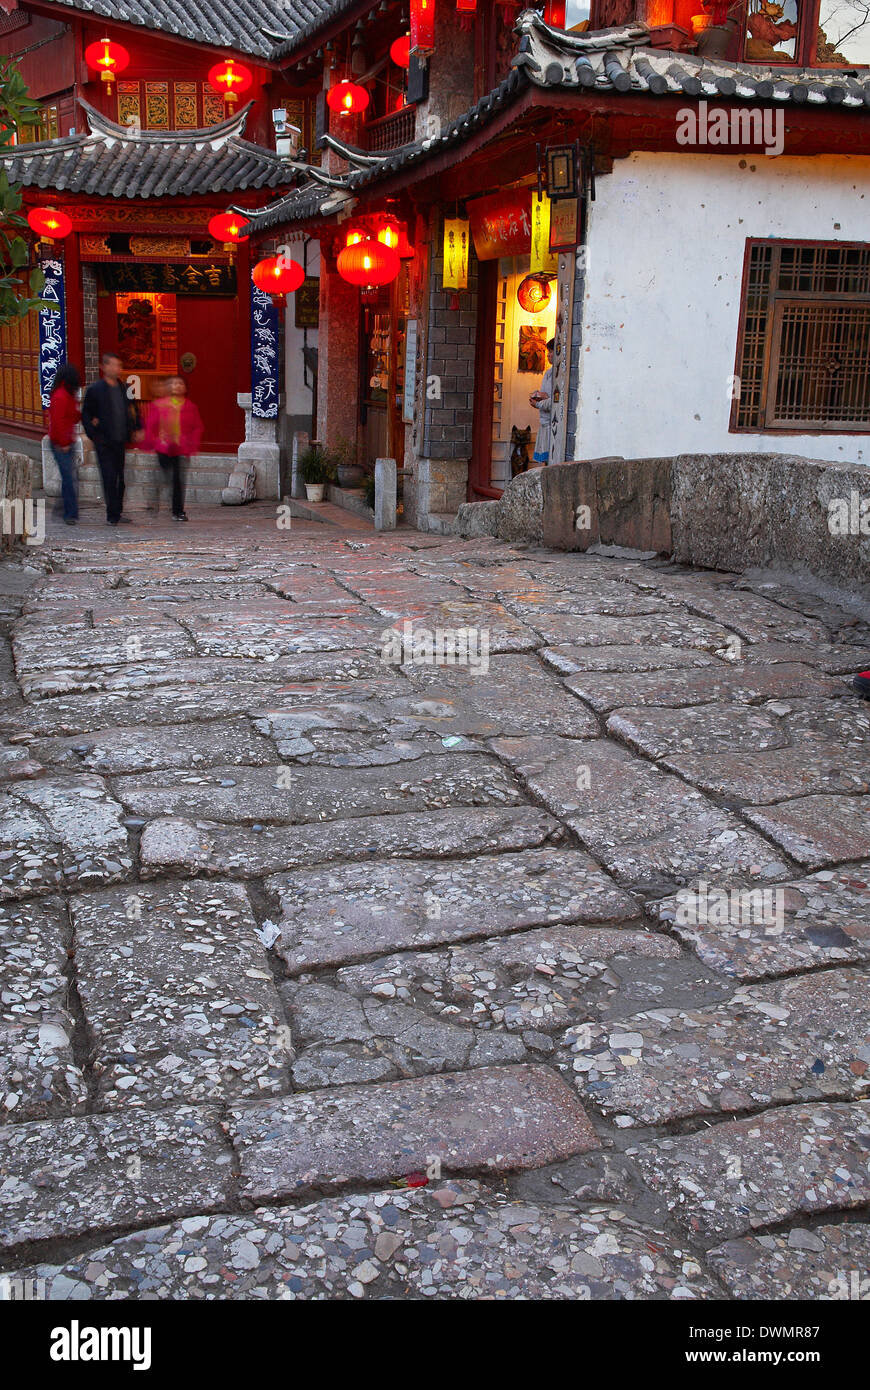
{"x": 52, "y": 326}
{"x": 264, "y": 355}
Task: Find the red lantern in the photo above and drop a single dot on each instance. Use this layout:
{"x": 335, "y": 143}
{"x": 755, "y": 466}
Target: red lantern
{"x": 231, "y": 78}
{"x": 368, "y": 263}
{"x": 278, "y": 276}
{"x": 348, "y": 98}
{"x": 48, "y": 223}
{"x": 423, "y": 27}
{"x": 107, "y": 58}
{"x": 555, "y": 14}
{"x": 466, "y": 6}
{"x": 227, "y": 227}
{"x": 395, "y": 236}
{"x": 400, "y": 51}
{"x": 534, "y": 294}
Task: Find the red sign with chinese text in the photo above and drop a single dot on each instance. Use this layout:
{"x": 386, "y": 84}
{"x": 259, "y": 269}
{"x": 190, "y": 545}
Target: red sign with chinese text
{"x": 501, "y": 224}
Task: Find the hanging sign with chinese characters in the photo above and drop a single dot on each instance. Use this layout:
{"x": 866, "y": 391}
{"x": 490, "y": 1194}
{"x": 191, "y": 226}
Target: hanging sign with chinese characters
{"x": 264, "y": 355}
{"x": 52, "y": 326}
{"x": 543, "y": 260}
{"x": 455, "y": 253}
{"x": 207, "y": 277}
{"x": 501, "y": 224}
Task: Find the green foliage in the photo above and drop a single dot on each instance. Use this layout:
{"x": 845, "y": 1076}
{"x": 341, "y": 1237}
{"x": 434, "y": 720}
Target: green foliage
{"x": 315, "y": 465}
{"x": 16, "y": 107}
{"x": 369, "y": 490}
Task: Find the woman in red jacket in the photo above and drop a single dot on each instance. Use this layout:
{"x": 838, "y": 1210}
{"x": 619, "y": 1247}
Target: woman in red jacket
{"x": 174, "y": 431}
{"x": 63, "y": 416}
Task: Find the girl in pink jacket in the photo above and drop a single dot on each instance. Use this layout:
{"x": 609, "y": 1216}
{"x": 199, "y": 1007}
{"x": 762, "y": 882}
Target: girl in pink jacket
{"x": 174, "y": 430}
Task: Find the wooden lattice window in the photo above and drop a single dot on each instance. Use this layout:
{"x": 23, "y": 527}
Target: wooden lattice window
{"x": 20, "y": 400}
{"x": 803, "y": 361}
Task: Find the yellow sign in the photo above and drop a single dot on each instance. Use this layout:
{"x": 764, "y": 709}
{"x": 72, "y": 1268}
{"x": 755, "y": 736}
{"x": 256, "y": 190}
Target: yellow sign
{"x": 455, "y": 253}
{"x": 543, "y": 260}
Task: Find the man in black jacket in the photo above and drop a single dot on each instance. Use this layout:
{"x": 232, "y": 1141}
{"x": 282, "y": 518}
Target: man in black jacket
{"x": 111, "y": 420}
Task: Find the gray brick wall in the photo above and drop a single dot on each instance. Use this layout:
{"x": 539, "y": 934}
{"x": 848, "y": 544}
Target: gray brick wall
{"x": 451, "y": 348}
{"x": 572, "y": 442}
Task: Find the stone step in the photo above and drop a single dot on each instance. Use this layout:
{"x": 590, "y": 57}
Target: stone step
{"x": 329, "y": 514}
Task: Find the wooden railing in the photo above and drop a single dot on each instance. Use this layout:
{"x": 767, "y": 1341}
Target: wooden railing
{"x": 390, "y": 132}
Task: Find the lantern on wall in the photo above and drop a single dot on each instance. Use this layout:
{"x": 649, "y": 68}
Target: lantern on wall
{"x": 395, "y": 235}
{"x": 230, "y": 78}
{"x": 278, "y": 276}
{"x": 348, "y": 98}
{"x": 227, "y": 227}
{"x": 423, "y": 27}
{"x": 400, "y": 51}
{"x": 48, "y": 223}
{"x": 368, "y": 263}
{"x": 455, "y": 253}
{"x": 108, "y": 59}
{"x": 534, "y": 294}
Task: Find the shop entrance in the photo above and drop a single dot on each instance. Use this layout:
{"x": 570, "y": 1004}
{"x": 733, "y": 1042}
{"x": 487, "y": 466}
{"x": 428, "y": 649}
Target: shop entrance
{"x": 383, "y": 333}
{"x": 517, "y": 320}
{"x": 158, "y": 334}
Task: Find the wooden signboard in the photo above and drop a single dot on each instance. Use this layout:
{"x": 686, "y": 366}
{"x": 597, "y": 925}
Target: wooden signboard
{"x": 501, "y": 224}
{"x": 308, "y": 303}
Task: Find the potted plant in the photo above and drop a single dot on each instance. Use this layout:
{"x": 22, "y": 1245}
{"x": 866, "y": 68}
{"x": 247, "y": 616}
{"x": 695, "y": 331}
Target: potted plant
{"x": 369, "y": 489}
{"x": 314, "y": 471}
{"x": 350, "y": 475}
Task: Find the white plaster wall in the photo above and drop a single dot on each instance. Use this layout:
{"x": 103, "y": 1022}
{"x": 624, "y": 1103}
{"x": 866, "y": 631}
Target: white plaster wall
{"x": 298, "y": 395}
{"x": 667, "y": 236}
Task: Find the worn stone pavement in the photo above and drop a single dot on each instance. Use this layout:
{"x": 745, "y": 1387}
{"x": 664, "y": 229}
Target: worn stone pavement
{"x": 282, "y": 923}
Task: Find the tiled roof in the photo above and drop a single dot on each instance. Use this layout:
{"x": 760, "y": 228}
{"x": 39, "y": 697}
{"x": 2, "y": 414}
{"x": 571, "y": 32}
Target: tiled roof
{"x": 618, "y": 60}
{"x": 112, "y": 161}
{"x": 246, "y": 26}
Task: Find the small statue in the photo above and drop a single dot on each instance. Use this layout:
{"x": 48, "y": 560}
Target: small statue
{"x": 767, "y": 29}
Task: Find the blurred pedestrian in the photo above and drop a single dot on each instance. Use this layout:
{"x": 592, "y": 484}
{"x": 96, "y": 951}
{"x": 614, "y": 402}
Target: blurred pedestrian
{"x": 63, "y": 416}
{"x": 174, "y": 431}
{"x": 111, "y": 420}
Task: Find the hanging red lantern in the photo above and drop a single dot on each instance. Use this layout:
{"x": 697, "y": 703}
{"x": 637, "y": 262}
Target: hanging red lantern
{"x": 400, "y": 51}
{"x": 423, "y": 27}
{"x": 395, "y": 236}
{"x": 555, "y": 14}
{"x": 108, "y": 59}
{"x": 278, "y": 276}
{"x": 227, "y": 227}
{"x": 466, "y": 6}
{"x": 534, "y": 294}
{"x": 230, "y": 78}
{"x": 48, "y": 223}
{"x": 368, "y": 263}
{"x": 348, "y": 98}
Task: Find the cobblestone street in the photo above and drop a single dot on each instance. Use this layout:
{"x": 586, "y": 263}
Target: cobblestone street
{"x": 285, "y": 921}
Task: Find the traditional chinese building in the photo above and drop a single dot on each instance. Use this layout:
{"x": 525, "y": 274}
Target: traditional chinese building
{"x": 141, "y": 164}
{"x": 677, "y": 198}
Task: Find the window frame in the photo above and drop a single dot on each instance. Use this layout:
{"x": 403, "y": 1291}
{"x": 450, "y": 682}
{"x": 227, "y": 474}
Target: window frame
{"x": 806, "y": 46}
{"x": 772, "y": 346}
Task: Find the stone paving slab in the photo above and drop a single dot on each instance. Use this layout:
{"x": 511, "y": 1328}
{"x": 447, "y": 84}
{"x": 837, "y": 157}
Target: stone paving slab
{"x": 770, "y": 775}
{"x": 332, "y": 916}
{"x": 702, "y": 729}
{"x": 833, "y": 658}
{"x": 820, "y": 920}
{"x": 140, "y": 749}
{"x": 178, "y": 995}
{"x": 671, "y": 628}
{"x": 805, "y": 1038}
{"x": 647, "y": 827}
{"x": 534, "y": 982}
{"x": 826, "y": 1263}
{"x": 148, "y": 675}
{"x": 504, "y": 632}
{"x": 31, "y": 858}
{"x": 776, "y": 1167}
{"x": 458, "y": 1240}
{"x": 275, "y": 629}
{"x": 146, "y": 639}
{"x": 740, "y": 683}
{"x": 567, "y": 659}
{"x": 184, "y": 703}
{"x": 817, "y": 830}
{"x": 207, "y": 847}
{"x": 316, "y": 794}
{"x": 84, "y": 821}
{"x": 515, "y": 696}
{"x": 96, "y": 1173}
{"x": 756, "y": 619}
{"x": 493, "y": 1119}
{"x": 39, "y": 1075}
